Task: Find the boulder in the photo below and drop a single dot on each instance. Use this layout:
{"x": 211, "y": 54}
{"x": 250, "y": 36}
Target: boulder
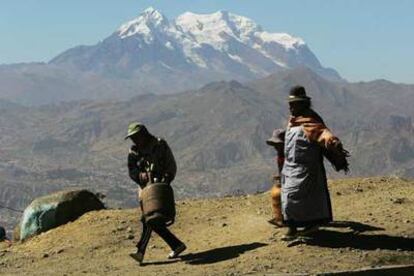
{"x": 53, "y": 210}
{"x": 16, "y": 233}
{"x": 2, "y": 233}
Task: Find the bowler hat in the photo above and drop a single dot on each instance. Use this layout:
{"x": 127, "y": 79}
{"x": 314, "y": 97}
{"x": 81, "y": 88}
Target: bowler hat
{"x": 298, "y": 93}
{"x": 278, "y": 137}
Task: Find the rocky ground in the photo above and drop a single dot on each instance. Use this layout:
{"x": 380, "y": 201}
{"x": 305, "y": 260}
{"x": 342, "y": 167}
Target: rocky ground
{"x": 374, "y": 226}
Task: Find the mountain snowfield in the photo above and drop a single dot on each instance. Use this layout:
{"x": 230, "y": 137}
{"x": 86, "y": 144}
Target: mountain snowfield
{"x": 215, "y": 46}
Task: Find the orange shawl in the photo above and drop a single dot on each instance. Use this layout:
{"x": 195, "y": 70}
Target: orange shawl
{"x": 317, "y": 132}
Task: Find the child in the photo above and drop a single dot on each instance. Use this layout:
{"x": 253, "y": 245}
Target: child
{"x": 277, "y": 141}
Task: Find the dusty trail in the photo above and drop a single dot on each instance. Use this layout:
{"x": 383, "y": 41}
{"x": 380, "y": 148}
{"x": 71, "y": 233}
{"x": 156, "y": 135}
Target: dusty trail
{"x": 230, "y": 236}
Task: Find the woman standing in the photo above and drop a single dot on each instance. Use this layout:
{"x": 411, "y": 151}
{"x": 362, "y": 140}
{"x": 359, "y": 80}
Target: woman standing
{"x": 305, "y": 196}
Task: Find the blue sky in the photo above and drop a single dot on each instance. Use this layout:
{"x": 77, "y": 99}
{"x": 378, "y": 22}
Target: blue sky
{"x": 361, "y": 39}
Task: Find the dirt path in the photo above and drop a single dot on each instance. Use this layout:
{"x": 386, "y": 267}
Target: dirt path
{"x": 230, "y": 236}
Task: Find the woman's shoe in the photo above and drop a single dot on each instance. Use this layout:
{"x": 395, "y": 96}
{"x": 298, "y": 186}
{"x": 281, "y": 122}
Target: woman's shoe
{"x": 291, "y": 234}
{"x": 276, "y": 222}
{"x": 309, "y": 230}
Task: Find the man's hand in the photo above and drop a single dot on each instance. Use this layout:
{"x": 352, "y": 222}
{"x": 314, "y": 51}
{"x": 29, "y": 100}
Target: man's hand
{"x": 133, "y": 149}
{"x": 143, "y": 178}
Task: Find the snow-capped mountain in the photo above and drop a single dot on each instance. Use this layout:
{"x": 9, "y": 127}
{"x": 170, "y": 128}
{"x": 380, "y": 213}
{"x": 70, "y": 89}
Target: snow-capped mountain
{"x": 202, "y": 47}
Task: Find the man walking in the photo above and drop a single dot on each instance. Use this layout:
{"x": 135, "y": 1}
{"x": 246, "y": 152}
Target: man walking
{"x": 305, "y": 197}
{"x": 150, "y": 160}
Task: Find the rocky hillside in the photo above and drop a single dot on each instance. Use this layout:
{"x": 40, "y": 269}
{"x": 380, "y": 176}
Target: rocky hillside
{"x": 230, "y": 236}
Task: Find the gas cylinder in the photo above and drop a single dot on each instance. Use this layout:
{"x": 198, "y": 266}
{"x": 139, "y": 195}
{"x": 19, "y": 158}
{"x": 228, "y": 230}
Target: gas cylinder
{"x": 158, "y": 205}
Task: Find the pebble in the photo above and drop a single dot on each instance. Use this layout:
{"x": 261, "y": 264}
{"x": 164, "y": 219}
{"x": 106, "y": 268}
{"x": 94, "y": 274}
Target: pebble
{"x": 130, "y": 237}
{"x": 224, "y": 225}
{"x": 129, "y": 230}
{"x": 45, "y": 255}
{"x": 398, "y": 200}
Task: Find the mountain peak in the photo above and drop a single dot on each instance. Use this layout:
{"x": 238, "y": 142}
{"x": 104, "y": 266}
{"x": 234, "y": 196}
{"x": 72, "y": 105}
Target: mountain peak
{"x": 153, "y": 14}
{"x": 149, "y": 19}
{"x": 227, "y": 45}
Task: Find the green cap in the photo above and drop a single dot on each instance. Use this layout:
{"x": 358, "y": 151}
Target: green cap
{"x": 134, "y": 128}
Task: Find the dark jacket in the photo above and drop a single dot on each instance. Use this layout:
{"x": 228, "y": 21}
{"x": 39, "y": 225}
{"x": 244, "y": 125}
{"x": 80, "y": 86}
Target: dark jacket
{"x": 156, "y": 159}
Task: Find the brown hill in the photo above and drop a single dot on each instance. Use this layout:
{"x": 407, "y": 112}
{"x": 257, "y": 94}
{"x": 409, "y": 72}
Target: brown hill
{"x": 230, "y": 236}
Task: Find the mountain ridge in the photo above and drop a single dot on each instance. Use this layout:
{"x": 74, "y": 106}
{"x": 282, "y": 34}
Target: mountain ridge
{"x": 196, "y": 41}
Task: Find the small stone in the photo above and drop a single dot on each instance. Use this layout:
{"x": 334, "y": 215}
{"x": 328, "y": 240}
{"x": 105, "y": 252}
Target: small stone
{"x": 130, "y": 237}
{"x": 45, "y": 255}
{"x": 123, "y": 221}
{"x": 407, "y": 221}
{"x": 129, "y": 229}
{"x": 60, "y": 251}
{"x": 398, "y": 200}
{"x": 223, "y": 224}
{"x": 338, "y": 193}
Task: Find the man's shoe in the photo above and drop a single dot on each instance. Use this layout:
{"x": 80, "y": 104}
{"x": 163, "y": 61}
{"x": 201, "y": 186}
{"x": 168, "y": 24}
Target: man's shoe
{"x": 177, "y": 251}
{"x": 138, "y": 256}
